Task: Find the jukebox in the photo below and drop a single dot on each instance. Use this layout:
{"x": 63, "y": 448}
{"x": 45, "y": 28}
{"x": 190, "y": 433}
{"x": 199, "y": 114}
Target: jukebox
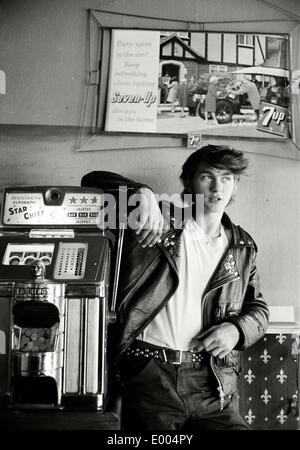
{"x": 54, "y": 280}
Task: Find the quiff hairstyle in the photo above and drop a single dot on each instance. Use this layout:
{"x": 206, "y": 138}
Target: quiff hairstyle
{"x": 220, "y": 157}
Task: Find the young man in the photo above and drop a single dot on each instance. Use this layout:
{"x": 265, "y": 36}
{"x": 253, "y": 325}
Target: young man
{"x": 187, "y": 303}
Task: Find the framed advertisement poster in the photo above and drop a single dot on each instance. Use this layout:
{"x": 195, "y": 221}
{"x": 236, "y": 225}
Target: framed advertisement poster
{"x": 195, "y": 83}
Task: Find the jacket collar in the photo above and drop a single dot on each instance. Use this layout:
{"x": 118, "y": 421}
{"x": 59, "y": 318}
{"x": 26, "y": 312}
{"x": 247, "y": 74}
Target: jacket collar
{"x": 236, "y": 235}
{"x": 176, "y": 217}
{"x": 237, "y": 239}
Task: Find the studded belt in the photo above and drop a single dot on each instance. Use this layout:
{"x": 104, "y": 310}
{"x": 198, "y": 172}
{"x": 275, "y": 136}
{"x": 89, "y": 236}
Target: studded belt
{"x": 145, "y": 350}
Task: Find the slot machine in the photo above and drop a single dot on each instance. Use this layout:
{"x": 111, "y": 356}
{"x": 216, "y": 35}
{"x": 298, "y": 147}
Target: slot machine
{"x": 54, "y": 293}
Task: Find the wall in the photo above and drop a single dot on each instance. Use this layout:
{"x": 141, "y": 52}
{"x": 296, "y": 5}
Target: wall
{"x": 44, "y": 58}
{"x": 44, "y": 46}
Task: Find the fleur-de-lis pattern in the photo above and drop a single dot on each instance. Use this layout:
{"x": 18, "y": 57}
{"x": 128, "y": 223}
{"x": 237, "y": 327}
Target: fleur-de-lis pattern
{"x": 281, "y": 338}
{"x": 250, "y": 417}
{"x": 268, "y": 383}
{"x": 266, "y": 396}
{"x": 265, "y": 356}
{"x": 282, "y": 417}
{"x": 281, "y": 377}
{"x": 249, "y": 376}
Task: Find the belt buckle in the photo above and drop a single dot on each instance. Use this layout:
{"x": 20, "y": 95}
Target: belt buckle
{"x": 178, "y": 361}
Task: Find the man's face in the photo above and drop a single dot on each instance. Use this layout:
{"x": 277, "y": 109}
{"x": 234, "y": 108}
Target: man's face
{"x": 217, "y": 186}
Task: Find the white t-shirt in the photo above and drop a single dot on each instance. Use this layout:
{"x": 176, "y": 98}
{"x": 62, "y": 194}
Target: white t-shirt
{"x": 181, "y": 319}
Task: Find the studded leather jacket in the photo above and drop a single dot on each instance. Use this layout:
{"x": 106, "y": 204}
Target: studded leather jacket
{"x": 149, "y": 278}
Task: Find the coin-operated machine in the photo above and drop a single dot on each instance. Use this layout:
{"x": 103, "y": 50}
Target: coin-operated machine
{"x": 54, "y": 316}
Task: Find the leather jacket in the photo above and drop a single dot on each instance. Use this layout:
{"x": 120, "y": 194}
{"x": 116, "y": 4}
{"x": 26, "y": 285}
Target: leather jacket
{"x": 149, "y": 277}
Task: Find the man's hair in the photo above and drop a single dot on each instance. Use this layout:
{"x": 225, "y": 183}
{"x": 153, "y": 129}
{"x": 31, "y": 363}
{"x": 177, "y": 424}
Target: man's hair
{"x": 219, "y": 157}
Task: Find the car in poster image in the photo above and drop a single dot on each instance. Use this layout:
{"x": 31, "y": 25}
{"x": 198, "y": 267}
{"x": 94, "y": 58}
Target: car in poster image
{"x": 227, "y": 105}
{"x": 228, "y": 100}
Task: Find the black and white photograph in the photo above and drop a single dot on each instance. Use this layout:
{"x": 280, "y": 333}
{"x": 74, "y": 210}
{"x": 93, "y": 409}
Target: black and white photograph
{"x": 215, "y": 81}
{"x": 149, "y": 219}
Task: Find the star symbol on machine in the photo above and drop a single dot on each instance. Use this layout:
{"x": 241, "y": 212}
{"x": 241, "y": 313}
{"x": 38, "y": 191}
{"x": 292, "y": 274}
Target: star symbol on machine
{"x": 83, "y": 200}
{"x": 94, "y": 200}
{"x": 73, "y": 200}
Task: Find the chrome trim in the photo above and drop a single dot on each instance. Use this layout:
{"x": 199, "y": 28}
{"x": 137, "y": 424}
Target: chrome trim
{"x": 29, "y": 364}
{"x": 43, "y": 290}
{"x": 84, "y": 343}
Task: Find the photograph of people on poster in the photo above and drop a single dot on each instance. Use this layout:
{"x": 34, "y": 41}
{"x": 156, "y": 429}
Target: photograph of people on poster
{"x": 191, "y": 82}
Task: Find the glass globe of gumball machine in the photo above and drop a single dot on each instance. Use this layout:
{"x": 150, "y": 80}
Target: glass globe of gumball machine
{"x": 37, "y": 346}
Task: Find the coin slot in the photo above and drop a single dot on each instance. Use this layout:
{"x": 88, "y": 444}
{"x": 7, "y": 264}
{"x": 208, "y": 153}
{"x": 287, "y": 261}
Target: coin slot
{"x": 53, "y": 196}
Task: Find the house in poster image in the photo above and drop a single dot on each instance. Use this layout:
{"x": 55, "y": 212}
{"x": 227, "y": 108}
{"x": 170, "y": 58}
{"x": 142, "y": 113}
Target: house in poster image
{"x": 178, "y": 58}
{"x": 186, "y": 54}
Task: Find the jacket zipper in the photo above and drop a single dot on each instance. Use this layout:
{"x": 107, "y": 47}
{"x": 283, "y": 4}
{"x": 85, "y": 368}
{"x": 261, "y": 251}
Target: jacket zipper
{"x": 228, "y": 280}
{"x": 229, "y": 251}
{"x": 220, "y": 387}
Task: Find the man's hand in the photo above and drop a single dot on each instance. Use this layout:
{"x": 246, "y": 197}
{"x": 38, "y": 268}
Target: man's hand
{"x": 147, "y": 219}
{"x": 218, "y": 340}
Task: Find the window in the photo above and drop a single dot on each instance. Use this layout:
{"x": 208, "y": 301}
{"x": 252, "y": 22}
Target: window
{"x": 215, "y": 68}
{"x": 245, "y": 39}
